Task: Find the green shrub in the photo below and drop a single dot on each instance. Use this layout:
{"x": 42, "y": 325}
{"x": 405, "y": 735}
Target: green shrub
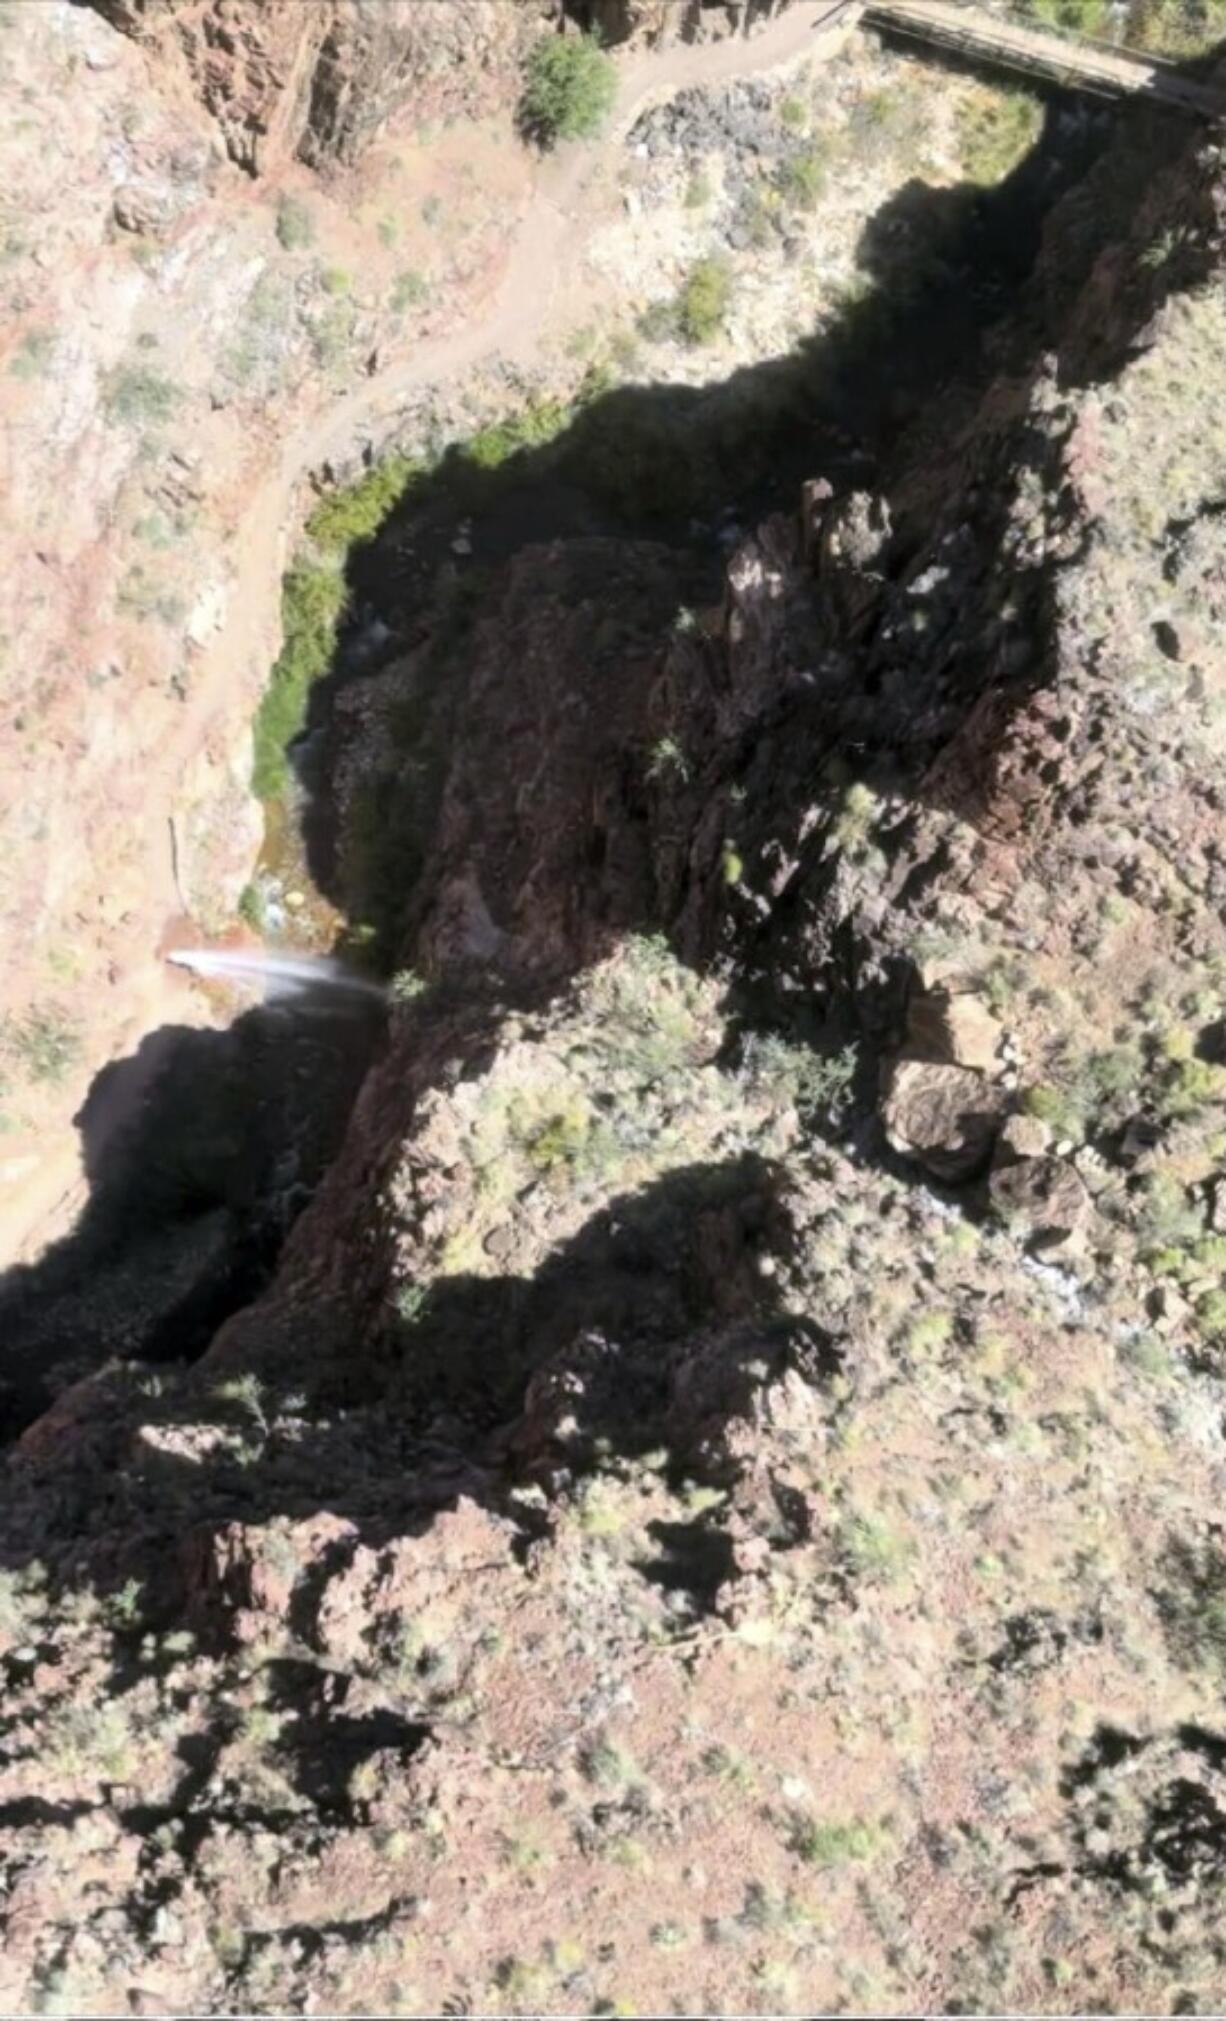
{"x": 657, "y": 323}
{"x": 929, "y": 1332}
{"x": 295, "y": 225}
{"x": 797, "y": 1074}
{"x": 46, "y": 1043}
{"x": 332, "y": 335}
{"x": 858, "y": 810}
{"x": 312, "y": 605}
{"x": 144, "y": 597}
{"x": 134, "y": 393}
{"x": 32, "y": 358}
{"x": 357, "y": 511}
{"x": 1175, "y": 27}
{"x": 704, "y": 300}
{"x": 406, "y": 986}
{"x": 1167, "y": 1214}
{"x": 1189, "y": 1085}
{"x": 1058, "y": 1107}
{"x": 569, "y": 89}
{"x": 668, "y": 760}
{"x": 561, "y": 1139}
{"x": 1211, "y": 1314}
{"x": 532, "y": 427}
{"x": 1080, "y": 17}
{"x": 1114, "y": 1073}
{"x": 759, "y": 214}
{"x": 873, "y": 1550}
{"x": 995, "y": 131}
{"x": 409, "y": 291}
{"x": 833, "y": 1845}
{"x": 801, "y": 177}
{"x": 1193, "y": 1605}
{"x": 250, "y": 907}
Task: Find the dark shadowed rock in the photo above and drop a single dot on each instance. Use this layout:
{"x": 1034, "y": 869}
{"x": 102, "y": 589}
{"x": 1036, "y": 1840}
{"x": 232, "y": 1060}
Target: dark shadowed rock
{"x": 945, "y": 1116}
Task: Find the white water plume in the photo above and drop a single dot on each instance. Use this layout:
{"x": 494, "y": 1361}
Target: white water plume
{"x": 279, "y": 974}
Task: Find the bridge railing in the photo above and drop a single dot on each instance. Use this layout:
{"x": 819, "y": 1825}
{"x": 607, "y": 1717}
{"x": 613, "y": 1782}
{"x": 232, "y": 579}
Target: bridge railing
{"x": 1020, "y": 17}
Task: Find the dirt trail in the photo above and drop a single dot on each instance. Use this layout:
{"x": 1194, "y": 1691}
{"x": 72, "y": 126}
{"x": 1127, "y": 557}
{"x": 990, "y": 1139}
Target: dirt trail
{"x": 547, "y": 245}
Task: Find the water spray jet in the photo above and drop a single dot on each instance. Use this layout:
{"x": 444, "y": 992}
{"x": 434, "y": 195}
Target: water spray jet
{"x": 282, "y": 975}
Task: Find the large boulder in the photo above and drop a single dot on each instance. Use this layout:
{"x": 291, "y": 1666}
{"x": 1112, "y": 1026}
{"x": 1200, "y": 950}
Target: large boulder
{"x": 957, "y": 1028}
{"x": 945, "y": 1116}
{"x": 1047, "y": 1199}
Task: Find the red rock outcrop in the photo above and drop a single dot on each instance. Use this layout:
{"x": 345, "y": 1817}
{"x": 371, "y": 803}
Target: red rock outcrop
{"x": 319, "y": 81}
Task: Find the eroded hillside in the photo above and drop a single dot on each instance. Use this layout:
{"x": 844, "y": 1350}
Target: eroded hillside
{"x": 718, "y": 1508}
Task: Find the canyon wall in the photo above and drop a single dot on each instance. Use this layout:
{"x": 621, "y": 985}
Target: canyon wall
{"x": 319, "y": 81}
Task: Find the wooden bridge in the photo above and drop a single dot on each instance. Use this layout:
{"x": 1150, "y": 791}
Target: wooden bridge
{"x": 1077, "y": 62}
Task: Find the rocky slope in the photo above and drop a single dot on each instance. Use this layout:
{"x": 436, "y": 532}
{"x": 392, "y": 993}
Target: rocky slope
{"x": 320, "y": 81}
{"x": 186, "y": 348}
{"x": 720, "y": 1508}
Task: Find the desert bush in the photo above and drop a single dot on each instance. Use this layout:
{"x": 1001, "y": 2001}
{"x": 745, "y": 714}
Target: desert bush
{"x": 409, "y": 291}
{"x": 668, "y": 760}
{"x": 1176, "y": 27}
{"x": 834, "y": 1845}
{"x": 46, "y": 1043}
{"x": 263, "y": 333}
{"x": 801, "y": 177}
{"x": 355, "y": 512}
{"x": 142, "y": 596}
{"x": 250, "y": 907}
{"x": 332, "y": 334}
{"x": 1187, "y": 1083}
{"x": 1192, "y": 1603}
{"x": 1211, "y": 1314}
{"x": 704, "y": 300}
{"x": 858, "y": 811}
{"x": 134, "y": 393}
{"x": 995, "y": 130}
{"x": 874, "y": 1552}
{"x": 295, "y": 225}
{"x": 313, "y": 603}
{"x": 569, "y": 89}
{"x": 535, "y": 425}
{"x": 406, "y": 986}
{"x": 796, "y": 1073}
{"x": 22, "y": 1601}
{"x": 1166, "y": 1214}
{"x": 32, "y": 358}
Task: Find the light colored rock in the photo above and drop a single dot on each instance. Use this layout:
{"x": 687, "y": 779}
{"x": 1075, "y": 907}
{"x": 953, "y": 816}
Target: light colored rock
{"x": 956, "y": 1028}
{"x": 1023, "y": 1137}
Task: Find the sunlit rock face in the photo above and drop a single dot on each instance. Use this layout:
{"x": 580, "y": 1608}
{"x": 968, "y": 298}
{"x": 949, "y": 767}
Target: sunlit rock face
{"x": 319, "y": 81}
